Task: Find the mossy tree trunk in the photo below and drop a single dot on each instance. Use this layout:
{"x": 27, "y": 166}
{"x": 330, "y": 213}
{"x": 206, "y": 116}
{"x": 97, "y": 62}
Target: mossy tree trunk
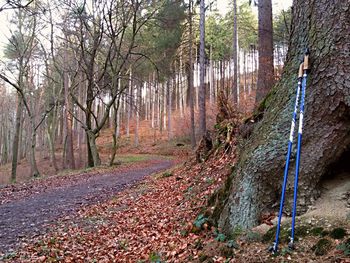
{"x": 255, "y": 184}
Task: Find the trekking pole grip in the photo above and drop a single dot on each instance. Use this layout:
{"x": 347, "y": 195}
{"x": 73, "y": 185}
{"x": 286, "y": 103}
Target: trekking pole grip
{"x": 306, "y": 59}
{"x": 301, "y": 70}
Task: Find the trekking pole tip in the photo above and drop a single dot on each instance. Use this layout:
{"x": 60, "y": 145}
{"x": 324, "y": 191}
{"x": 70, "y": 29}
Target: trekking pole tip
{"x": 291, "y": 245}
{"x": 272, "y": 249}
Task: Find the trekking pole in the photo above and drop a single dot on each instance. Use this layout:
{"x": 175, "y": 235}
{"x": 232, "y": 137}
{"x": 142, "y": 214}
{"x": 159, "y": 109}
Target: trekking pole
{"x": 297, "y": 165}
{"x": 274, "y": 247}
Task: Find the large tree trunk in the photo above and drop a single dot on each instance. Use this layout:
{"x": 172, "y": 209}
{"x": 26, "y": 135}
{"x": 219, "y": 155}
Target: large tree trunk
{"x": 234, "y": 55}
{"x": 68, "y": 161}
{"x": 137, "y": 114}
{"x": 93, "y": 148}
{"x": 34, "y": 172}
{"x": 255, "y": 184}
{"x": 265, "y": 72}
{"x": 190, "y": 76}
{"x": 50, "y": 130}
{"x": 16, "y": 138}
{"x": 202, "y": 88}
{"x": 169, "y": 109}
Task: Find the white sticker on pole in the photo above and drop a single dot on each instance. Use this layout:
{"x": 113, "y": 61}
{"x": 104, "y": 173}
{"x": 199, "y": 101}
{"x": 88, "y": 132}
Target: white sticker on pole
{"x": 301, "y": 122}
{"x": 292, "y": 131}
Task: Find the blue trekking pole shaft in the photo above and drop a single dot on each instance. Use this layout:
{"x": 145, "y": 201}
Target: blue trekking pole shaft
{"x": 300, "y": 132}
{"x": 290, "y": 144}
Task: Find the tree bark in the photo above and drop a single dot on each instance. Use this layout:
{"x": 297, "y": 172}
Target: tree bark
{"x": 93, "y": 148}
{"x": 234, "y": 55}
{"x": 128, "y": 106}
{"x": 255, "y": 184}
{"x": 68, "y": 161}
{"x": 115, "y": 135}
{"x": 34, "y": 172}
{"x": 265, "y": 72}
{"x": 202, "y": 89}
{"x": 137, "y": 113}
{"x": 169, "y": 109}
{"x": 16, "y": 138}
{"x": 190, "y": 76}
{"x": 51, "y": 127}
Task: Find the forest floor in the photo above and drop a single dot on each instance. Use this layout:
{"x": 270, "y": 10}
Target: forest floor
{"x": 162, "y": 219}
{"x": 28, "y": 209}
{"x": 119, "y": 214}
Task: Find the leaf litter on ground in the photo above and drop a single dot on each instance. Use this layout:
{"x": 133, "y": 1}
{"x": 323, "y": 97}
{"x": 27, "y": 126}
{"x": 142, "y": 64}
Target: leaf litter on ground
{"x": 152, "y": 222}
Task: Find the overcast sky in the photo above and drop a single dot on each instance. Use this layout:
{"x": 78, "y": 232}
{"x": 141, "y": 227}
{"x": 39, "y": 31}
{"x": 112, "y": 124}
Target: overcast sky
{"x": 277, "y": 5}
{"x": 221, "y": 4}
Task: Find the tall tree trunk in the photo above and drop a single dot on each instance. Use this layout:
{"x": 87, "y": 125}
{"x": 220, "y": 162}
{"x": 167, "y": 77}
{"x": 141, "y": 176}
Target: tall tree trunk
{"x": 68, "y": 161}
{"x": 153, "y": 100}
{"x": 164, "y": 105}
{"x": 234, "y": 53}
{"x": 34, "y": 172}
{"x": 202, "y": 89}
{"x": 16, "y": 137}
{"x": 137, "y": 113}
{"x": 190, "y": 75}
{"x": 181, "y": 86}
{"x": 169, "y": 108}
{"x": 158, "y": 106}
{"x": 255, "y": 184}
{"x": 222, "y": 74}
{"x": 5, "y": 147}
{"x": 93, "y": 148}
{"x": 129, "y": 106}
{"x": 244, "y": 74}
{"x": 88, "y": 131}
{"x": 265, "y": 72}
{"x": 115, "y": 134}
{"x": 50, "y": 129}
{"x": 211, "y": 77}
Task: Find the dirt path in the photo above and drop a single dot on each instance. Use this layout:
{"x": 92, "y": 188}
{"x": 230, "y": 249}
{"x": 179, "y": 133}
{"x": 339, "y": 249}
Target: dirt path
{"x": 31, "y": 215}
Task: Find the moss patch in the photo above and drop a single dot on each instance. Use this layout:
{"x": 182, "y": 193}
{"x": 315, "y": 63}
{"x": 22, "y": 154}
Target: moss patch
{"x": 317, "y": 231}
{"x": 302, "y": 231}
{"x": 338, "y": 233}
{"x": 322, "y": 247}
{"x": 285, "y": 232}
{"x": 271, "y": 234}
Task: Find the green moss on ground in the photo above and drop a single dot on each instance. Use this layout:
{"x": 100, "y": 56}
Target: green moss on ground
{"x": 322, "y": 247}
{"x": 317, "y": 231}
{"x": 271, "y": 234}
{"x": 338, "y": 233}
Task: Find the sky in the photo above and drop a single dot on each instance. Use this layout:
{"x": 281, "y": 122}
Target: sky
{"x": 277, "y": 5}
{"x": 222, "y": 5}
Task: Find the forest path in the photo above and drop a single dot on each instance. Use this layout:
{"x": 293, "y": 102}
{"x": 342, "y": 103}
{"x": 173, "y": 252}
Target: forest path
{"x": 29, "y": 210}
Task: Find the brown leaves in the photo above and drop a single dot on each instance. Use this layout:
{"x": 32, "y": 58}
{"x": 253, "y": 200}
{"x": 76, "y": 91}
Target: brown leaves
{"x": 144, "y": 221}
